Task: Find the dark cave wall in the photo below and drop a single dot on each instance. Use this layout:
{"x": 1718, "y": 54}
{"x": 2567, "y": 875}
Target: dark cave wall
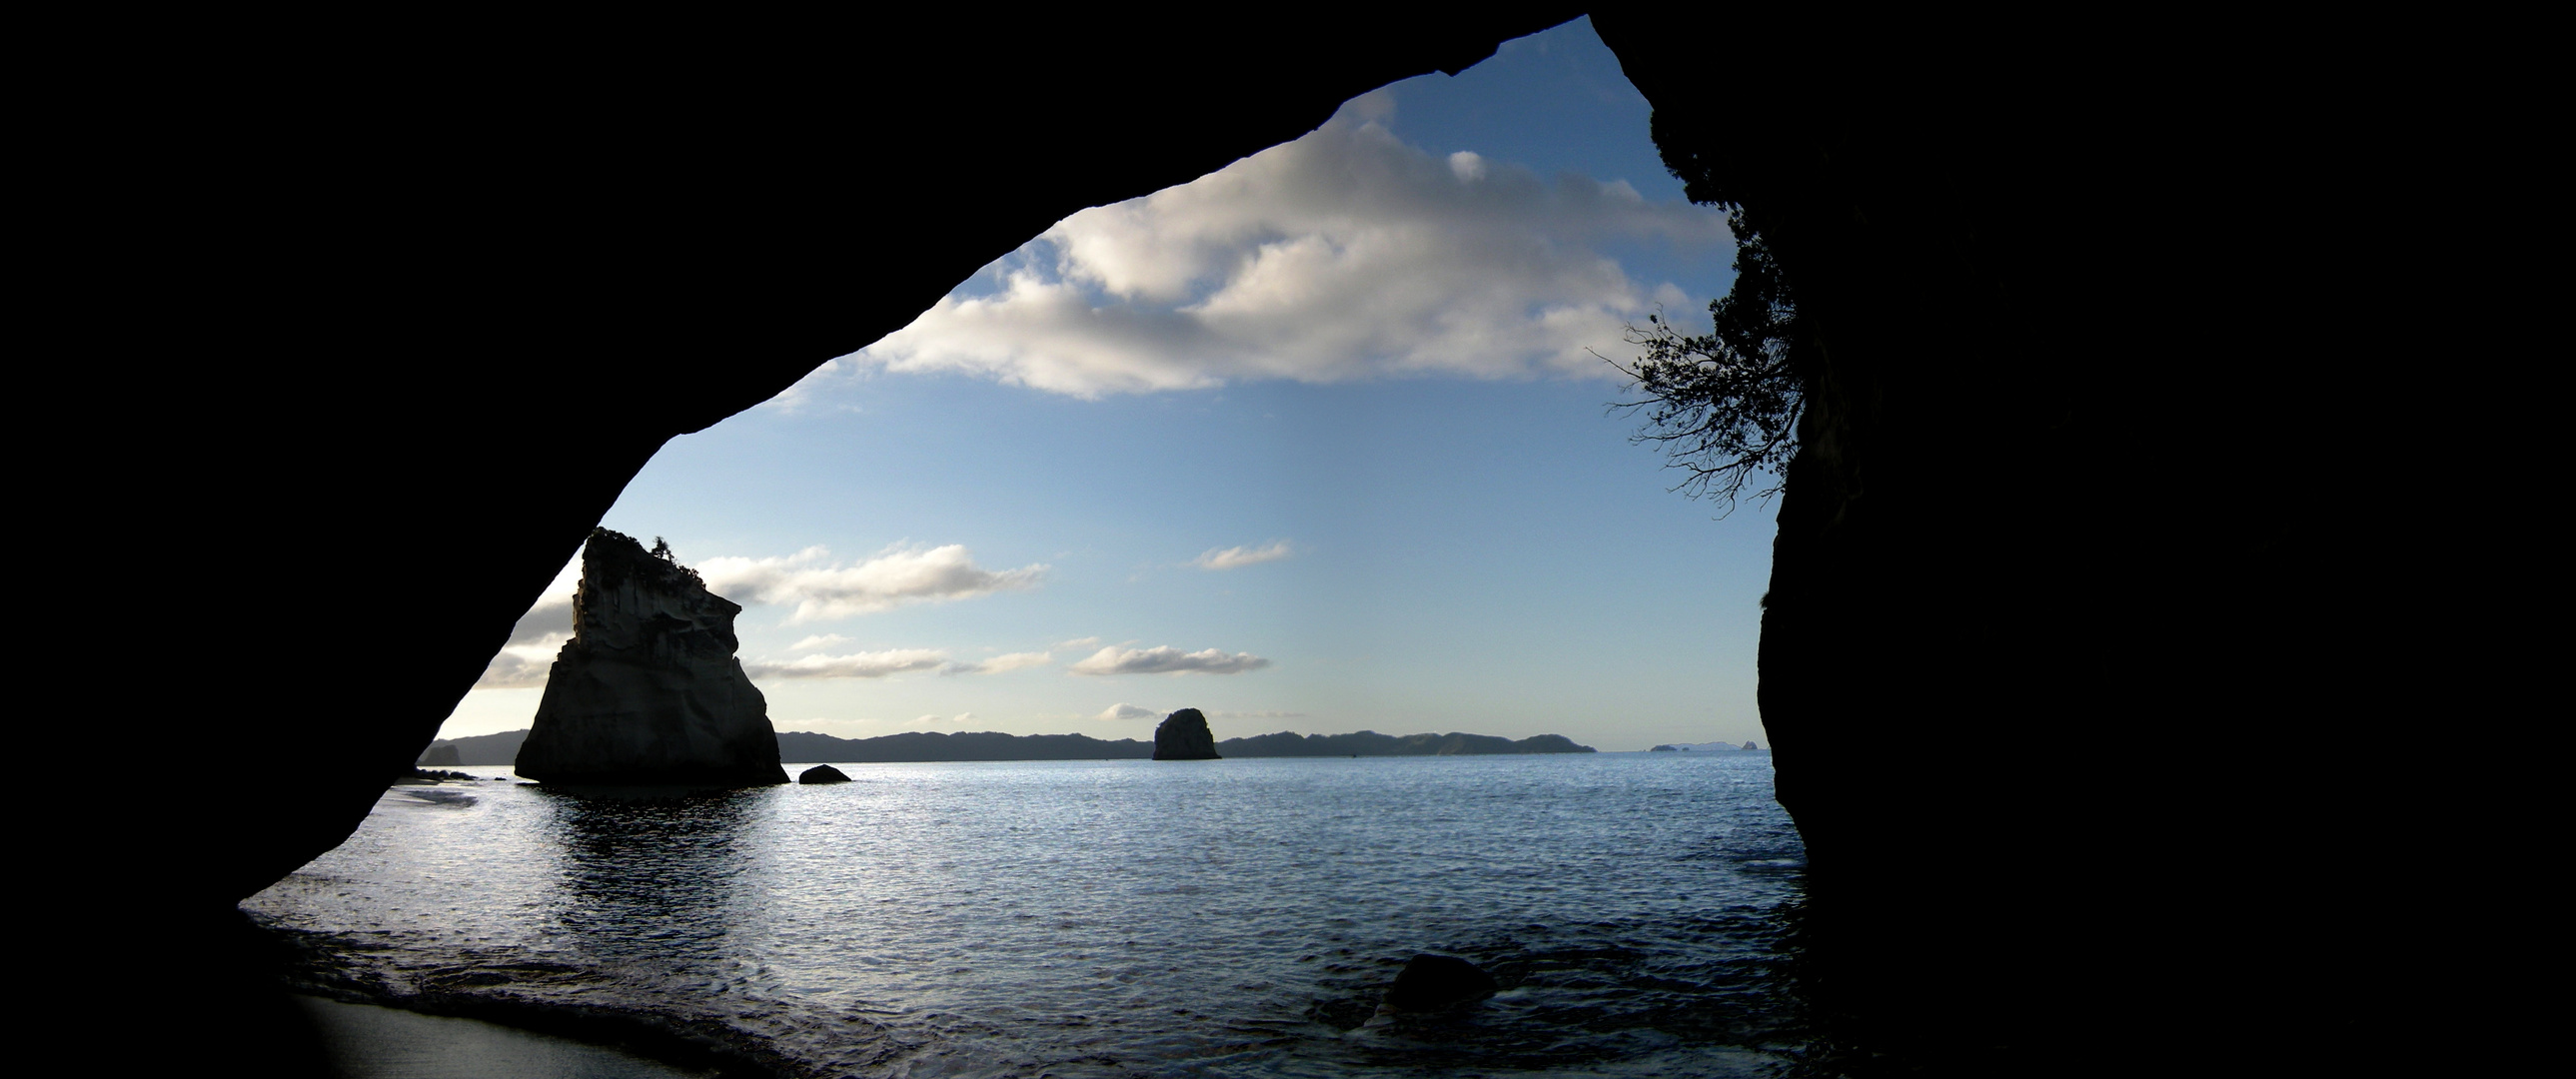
{"x": 421, "y": 308}
{"x": 2067, "y": 492}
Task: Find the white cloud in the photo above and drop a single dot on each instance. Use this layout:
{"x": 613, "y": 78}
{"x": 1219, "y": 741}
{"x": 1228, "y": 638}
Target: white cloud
{"x": 1078, "y": 642}
{"x": 819, "y": 640}
{"x": 1167, "y": 660}
{"x": 523, "y": 666}
{"x": 1126, "y": 711}
{"x": 1009, "y": 661}
{"x": 823, "y": 589}
{"x": 1343, "y": 255}
{"x": 854, "y": 665}
{"x": 530, "y": 654}
{"x": 1232, "y": 557}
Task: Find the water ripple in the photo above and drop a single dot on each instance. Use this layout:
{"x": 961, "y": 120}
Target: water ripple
{"x": 1232, "y": 918}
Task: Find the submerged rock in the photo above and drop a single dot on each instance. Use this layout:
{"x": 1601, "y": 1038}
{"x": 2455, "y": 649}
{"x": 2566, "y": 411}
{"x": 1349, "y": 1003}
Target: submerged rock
{"x": 1432, "y": 983}
{"x": 1184, "y": 736}
{"x": 822, "y": 773}
{"x": 648, "y": 692}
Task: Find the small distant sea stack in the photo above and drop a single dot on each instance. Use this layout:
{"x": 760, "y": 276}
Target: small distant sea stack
{"x": 648, "y": 692}
{"x": 823, "y": 773}
{"x": 1184, "y": 736}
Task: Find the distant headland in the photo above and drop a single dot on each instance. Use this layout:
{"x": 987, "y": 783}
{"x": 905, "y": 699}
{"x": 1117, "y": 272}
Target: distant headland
{"x": 803, "y": 747}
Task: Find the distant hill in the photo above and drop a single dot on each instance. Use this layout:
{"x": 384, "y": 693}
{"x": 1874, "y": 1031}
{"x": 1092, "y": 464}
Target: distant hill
{"x": 1373, "y": 744}
{"x": 805, "y": 747}
{"x": 801, "y": 747}
{"x": 483, "y": 749}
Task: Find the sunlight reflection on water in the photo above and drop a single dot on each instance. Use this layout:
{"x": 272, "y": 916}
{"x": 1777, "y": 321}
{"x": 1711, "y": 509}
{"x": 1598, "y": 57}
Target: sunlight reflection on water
{"x": 1111, "y": 917}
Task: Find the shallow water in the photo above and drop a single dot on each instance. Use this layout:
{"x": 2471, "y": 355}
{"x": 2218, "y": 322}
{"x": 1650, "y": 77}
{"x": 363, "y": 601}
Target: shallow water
{"x": 1214, "y": 918}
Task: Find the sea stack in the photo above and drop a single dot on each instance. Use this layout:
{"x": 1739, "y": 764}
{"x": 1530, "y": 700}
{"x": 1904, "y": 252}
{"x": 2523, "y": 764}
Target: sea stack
{"x": 1184, "y": 736}
{"x": 648, "y": 692}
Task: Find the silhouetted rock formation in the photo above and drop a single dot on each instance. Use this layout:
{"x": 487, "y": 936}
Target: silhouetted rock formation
{"x": 424, "y": 775}
{"x": 1433, "y": 983}
{"x": 648, "y": 690}
{"x": 1663, "y": 749}
{"x": 481, "y": 749}
{"x": 822, "y": 773}
{"x": 1373, "y": 744}
{"x": 1184, "y": 736}
{"x": 1968, "y": 532}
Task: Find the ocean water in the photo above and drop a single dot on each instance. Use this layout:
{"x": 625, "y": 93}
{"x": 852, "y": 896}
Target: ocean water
{"x": 1221, "y": 918}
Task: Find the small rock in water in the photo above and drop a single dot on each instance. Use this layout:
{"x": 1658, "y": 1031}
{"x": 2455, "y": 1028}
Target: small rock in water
{"x": 822, "y": 773}
{"x": 1431, "y": 983}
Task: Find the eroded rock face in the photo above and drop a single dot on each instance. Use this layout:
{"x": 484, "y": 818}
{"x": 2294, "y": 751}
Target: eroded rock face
{"x": 648, "y": 691}
{"x": 1184, "y": 736}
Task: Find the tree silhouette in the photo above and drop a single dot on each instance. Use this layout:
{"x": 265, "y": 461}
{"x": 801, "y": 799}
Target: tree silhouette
{"x": 1725, "y": 404}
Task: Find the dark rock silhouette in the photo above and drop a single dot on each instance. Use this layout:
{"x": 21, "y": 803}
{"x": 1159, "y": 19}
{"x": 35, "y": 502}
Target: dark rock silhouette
{"x": 2077, "y": 610}
{"x": 822, "y": 773}
{"x": 1663, "y": 749}
{"x": 425, "y": 775}
{"x": 1435, "y": 983}
{"x": 1184, "y": 736}
{"x": 648, "y": 691}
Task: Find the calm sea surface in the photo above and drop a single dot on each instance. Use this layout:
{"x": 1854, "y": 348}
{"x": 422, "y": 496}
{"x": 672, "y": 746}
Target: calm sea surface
{"x": 1104, "y": 918}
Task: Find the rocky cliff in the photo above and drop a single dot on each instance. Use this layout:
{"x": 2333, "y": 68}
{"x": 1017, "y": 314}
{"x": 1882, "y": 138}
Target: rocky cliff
{"x": 1184, "y": 736}
{"x": 648, "y": 690}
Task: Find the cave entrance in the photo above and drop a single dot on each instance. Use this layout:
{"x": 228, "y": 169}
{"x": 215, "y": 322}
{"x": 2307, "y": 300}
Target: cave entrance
{"x": 1316, "y": 443}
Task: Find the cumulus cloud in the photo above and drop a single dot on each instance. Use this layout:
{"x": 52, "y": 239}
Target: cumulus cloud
{"x": 1167, "y": 660}
{"x": 523, "y": 662}
{"x": 1232, "y": 557}
{"x": 821, "y": 589}
{"x": 854, "y": 665}
{"x": 523, "y": 666}
{"x": 1126, "y": 711}
{"x": 1346, "y": 254}
{"x": 1008, "y": 661}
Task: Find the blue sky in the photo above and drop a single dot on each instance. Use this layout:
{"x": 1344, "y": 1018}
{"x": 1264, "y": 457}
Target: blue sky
{"x": 1316, "y": 443}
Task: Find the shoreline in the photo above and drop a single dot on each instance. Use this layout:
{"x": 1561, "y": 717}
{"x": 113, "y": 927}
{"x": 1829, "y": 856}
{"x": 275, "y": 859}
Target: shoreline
{"x": 700, "y": 1047}
{"x": 377, "y": 1041}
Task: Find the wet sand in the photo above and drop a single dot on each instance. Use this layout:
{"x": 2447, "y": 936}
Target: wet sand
{"x": 366, "y": 1041}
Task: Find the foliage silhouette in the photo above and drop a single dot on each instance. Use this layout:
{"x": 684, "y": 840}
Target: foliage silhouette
{"x": 1725, "y": 404}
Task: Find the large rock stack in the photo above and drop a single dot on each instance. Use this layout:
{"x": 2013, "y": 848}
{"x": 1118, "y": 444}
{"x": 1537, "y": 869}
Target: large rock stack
{"x": 648, "y": 691}
{"x": 1184, "y": 736}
